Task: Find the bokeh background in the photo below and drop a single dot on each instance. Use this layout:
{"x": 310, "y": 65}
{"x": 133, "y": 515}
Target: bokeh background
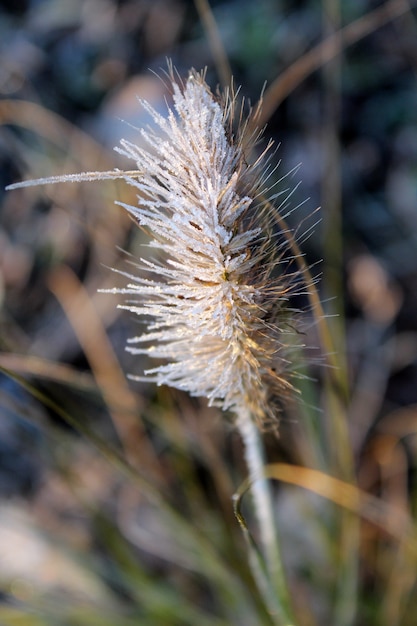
{"x": 86, "y": 539}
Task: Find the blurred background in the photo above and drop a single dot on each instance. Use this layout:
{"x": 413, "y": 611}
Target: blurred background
{"x": 115, "y": 498}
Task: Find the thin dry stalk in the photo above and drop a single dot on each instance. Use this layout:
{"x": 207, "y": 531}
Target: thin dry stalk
{"x": 122, "y": 403}
{"x": 299, "y": 70}
{"x": 213, "y": 35}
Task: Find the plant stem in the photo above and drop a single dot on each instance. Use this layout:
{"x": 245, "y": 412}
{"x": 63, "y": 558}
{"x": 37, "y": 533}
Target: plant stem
{"x": 264, "y": 511}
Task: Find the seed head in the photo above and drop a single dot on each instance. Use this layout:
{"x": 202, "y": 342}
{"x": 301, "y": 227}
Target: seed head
{"x": 215, "y": 298}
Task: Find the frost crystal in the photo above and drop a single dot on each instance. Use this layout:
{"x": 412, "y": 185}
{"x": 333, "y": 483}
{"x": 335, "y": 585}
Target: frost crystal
{"x": 215, "y": 314}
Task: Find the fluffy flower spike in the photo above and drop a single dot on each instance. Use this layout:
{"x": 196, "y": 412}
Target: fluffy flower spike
{"x": 215, "y": 299}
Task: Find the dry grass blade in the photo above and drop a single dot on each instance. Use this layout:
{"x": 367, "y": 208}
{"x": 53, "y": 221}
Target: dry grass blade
{"x": 50, "y": 370}
{"x": 216, "y": 44}
{"x": 393, "y": 521}
{"x": 327, "y": 50}
{"x": 122, "y": 403}
{"x": 54, "y": 128}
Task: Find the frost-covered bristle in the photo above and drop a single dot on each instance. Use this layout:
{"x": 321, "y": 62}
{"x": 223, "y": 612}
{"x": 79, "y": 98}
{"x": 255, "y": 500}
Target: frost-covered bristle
{"x": 209, "y": 299}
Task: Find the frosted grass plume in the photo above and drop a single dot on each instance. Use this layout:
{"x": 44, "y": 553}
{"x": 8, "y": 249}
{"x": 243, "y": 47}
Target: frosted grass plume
{"x": 215, "y": 297}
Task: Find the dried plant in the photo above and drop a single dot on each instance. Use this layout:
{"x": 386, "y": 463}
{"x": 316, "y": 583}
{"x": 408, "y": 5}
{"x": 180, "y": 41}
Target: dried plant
{"x": 218, "y": 315}
{"x": 216, "y": 298}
